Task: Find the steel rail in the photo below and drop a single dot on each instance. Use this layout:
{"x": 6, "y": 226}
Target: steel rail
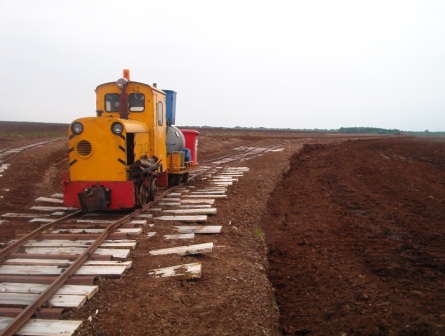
{"x": 17, "y": 244}
{"x": 23, "y": 148}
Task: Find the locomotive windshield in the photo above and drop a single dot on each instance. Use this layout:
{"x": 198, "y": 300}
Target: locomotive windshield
{"x": 136, "y": 102}
{"x": 112, "y": 102}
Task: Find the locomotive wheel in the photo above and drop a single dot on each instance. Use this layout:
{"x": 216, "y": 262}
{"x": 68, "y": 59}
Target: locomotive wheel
{"x": 142, "y": 194}
{"x": 153, "y": 189}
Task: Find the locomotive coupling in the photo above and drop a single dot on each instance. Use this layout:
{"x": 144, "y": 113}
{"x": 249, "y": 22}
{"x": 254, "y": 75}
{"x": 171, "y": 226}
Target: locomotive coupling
{"x": 95, "y": 198}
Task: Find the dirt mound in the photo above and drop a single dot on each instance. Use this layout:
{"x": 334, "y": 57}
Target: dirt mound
{"x": 356, "y": 239}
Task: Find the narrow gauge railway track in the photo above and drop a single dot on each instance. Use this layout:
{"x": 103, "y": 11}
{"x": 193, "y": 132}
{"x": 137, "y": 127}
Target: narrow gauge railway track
{"x": 7, "y": 154}
{"x": 55, "y": 268}
{"x": 65, "y": 268}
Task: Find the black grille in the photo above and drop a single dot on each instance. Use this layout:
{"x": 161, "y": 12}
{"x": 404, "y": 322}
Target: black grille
{"x": 84, "y": 148}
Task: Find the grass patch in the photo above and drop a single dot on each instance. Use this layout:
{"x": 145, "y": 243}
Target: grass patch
{"x": 259, "y": 233}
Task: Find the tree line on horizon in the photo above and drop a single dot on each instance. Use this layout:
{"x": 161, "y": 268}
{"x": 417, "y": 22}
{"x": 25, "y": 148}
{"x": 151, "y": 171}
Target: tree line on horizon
{"x": 341, "y": 130}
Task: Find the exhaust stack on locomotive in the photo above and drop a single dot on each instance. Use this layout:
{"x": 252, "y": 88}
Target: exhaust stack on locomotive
{"x": 118, "y": 159}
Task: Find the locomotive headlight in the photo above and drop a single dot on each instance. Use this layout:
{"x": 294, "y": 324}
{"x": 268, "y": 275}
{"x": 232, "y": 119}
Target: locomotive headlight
{"x": 76, "y": 127}
{"x": 117, "y": 128}
{"x": 121, "y": 83}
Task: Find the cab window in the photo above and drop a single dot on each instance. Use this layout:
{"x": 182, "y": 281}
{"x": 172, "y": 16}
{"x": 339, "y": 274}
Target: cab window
{"x": 160, "y": 114}
{"x": 112, "y": 102}
{"x": 136, "y": 102}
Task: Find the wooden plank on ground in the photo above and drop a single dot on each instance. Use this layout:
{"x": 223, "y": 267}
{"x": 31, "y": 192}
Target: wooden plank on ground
{"x": 114, "y": 269}
{"x": 171, "y": 199}
{"x": 30, "y": 270}
{"x": 95, "y": 221}
{"x": 144, "y": 215}
{"x": 237, "y": 169}
{"x": 179, "y": 218}
{"x": 116, "y": 253}
{"x": 204, "y": 196}
{"x": 210, "y": 192}
{"x": 127, "y": 264}
{"x": 203, "y": 211}
{"x": 34, "y": 288}
{"x": 49, "y": 199}
{"x": 180, "y": 236}
{"x": 40, "y": 262}
{"x": 129, "y": 231}
{"x": 44, "y": 327}
{"x": 24, "y": 299}
{"x": 198, "y": 201}
{"x": 221, "y": 184}
{"x": 173, "y": 194}
{"x": 169, "y": 203}
{"x": 59, "y": 243}
{"x": 120, "y": 244}
{"x": 223, "y": 179}
{"x": 21, "y": 215}
{"x": 101, "y": 270}
{"x": 51, "y": 208}
{"x": 42, "y": 220}
{"x": 57, "y": 213}
{"x": 48, "y": 279}
{"x": 185, "y": 250}
{"x": 194, "y": 206}
{"x": 139, "y": 221}
{"x": 185, "y": 271}
{"x": 80, "y": 243}
{"x": 203, "y": 229}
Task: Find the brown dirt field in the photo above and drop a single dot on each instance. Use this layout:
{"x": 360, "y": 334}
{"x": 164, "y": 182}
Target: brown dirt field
{"x": 356, "y": 239}
{"x": 334, "y": 236}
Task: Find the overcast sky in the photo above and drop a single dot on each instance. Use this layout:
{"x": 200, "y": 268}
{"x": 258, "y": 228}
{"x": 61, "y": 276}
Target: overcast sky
{"x": 299, "y": 64}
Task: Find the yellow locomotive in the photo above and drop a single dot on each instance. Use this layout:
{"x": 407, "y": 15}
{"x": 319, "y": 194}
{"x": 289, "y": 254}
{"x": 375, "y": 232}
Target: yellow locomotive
{"x": 119, "y": 158}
